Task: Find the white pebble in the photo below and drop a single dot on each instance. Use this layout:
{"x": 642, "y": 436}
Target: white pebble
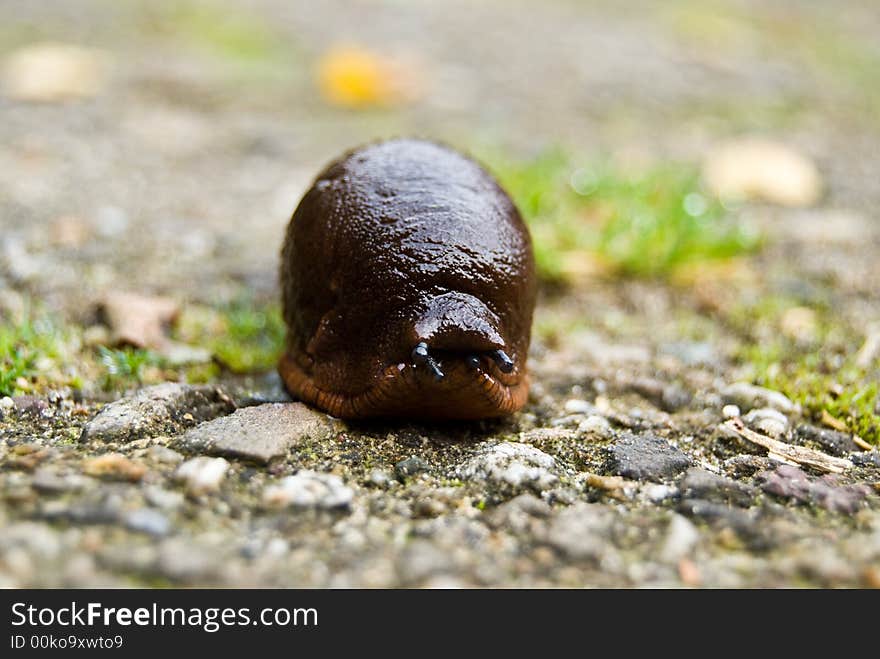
{"x": 202, "y": 474}
{"x": 577, "y": 406}
{"x": 658, "y": 492}
{"x": 309, "y": 489}
{"x": 681, "y": 536}
{"x": 595, "y": 424}
{"x": 730, "y": 411}
{"x": 6, "y": 403}
{"x": 768, "y": 421}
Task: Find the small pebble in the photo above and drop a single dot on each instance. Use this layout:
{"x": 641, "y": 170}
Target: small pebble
{"x": 50, "y": 481}
{"x": 681, "y": 536}
{"x": 309, "y": 489}
{"x": 6, "y": 403}
{"x": 380, "y": 478}
{"x": 148, "y": 521}
{"x": 202, "y": 475}
{"x": 730, "y": 411}
{"x": 598, "y": 425}
{"x": 164, "y": 455}
{"x": 511, "y": 465}
{"x": 645, "y": 457}
{"x": 748, "y": 396}
{"x": 162, "y": 498}
{"x": 657, "y": 492}
{"x": 767, "y": 420}
{"x": 411, "y": 467}
{"x": 577, "y": 406}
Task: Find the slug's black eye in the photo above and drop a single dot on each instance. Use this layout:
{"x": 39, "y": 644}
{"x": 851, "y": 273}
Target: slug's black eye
{"x": 420, "y": 353}
{"x": 473, "y": 361}
{"x": 421, "y": 356}
{"x": 504, "y": 362}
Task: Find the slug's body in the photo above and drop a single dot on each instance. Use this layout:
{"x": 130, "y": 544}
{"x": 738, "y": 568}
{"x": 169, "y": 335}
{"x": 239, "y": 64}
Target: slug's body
{"x": 408, "y": 288}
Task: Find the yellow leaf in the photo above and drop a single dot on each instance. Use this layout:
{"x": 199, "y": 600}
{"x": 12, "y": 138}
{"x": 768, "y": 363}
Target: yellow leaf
{"x": 356, "y": 78}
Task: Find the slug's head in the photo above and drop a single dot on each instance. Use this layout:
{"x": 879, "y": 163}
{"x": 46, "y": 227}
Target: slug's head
{"x": 456, "y": 363}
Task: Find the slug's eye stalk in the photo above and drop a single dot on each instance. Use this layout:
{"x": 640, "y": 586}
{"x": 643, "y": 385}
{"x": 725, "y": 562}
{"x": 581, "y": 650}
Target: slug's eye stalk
{"x": 421, "y": 356}
{"x": 505, "y": 363}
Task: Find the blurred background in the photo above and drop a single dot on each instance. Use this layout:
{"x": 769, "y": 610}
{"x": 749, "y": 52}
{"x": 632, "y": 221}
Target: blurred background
{"x": 702, "y": 184}
{"x": 705, "y": 171}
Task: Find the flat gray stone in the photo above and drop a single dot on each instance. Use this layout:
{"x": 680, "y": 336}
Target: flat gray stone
{"x": 163, "y": 409}
{"x": 645, "y": 457}
{"x": 259, "y": 434}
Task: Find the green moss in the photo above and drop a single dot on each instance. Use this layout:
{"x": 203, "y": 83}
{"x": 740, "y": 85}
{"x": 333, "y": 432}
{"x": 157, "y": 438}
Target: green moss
{"x": 124, "y": 367}
{"x": 816, "y": 382}
{"x": 32, "y": 349}
{"x": 253, "y": 339}
{"x": 821, "y": 377}
{"x": 244, "y": 336}
{"x": 644, "y": 223}
{"x": 663, "y": 219}
{"x": 202, "y": 373}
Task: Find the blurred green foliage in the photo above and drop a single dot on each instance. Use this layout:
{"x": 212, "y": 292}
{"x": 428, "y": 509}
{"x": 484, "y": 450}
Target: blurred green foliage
{"x": 124, "y": 367}
{"x": 248, "y": 338}
{"x": 642, "y": 221}
{"x": 227, "y": 31}
{"x": 29, "y": 346}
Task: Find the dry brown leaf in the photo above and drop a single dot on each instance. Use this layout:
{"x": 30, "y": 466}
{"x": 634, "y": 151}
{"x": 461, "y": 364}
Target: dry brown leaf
{"x": 139, "y": 320}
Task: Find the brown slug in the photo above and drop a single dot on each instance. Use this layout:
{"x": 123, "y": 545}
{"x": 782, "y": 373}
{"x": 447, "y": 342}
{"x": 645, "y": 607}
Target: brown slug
{"x": 408, "y": 286}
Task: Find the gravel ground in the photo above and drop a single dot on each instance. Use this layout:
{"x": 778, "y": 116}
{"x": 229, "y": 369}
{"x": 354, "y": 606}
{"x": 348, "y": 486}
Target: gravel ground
{"x": 634, "y": 462}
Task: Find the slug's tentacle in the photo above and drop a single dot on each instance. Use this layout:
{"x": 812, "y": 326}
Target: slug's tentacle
{"x": 420, "y": 353}
{"x": 421, "y": 356}
{"x": 438, "y": 374}
{"x": 504, "y": 362}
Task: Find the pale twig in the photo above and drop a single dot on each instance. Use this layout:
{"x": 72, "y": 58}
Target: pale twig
{"x": 799, "y": 454}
